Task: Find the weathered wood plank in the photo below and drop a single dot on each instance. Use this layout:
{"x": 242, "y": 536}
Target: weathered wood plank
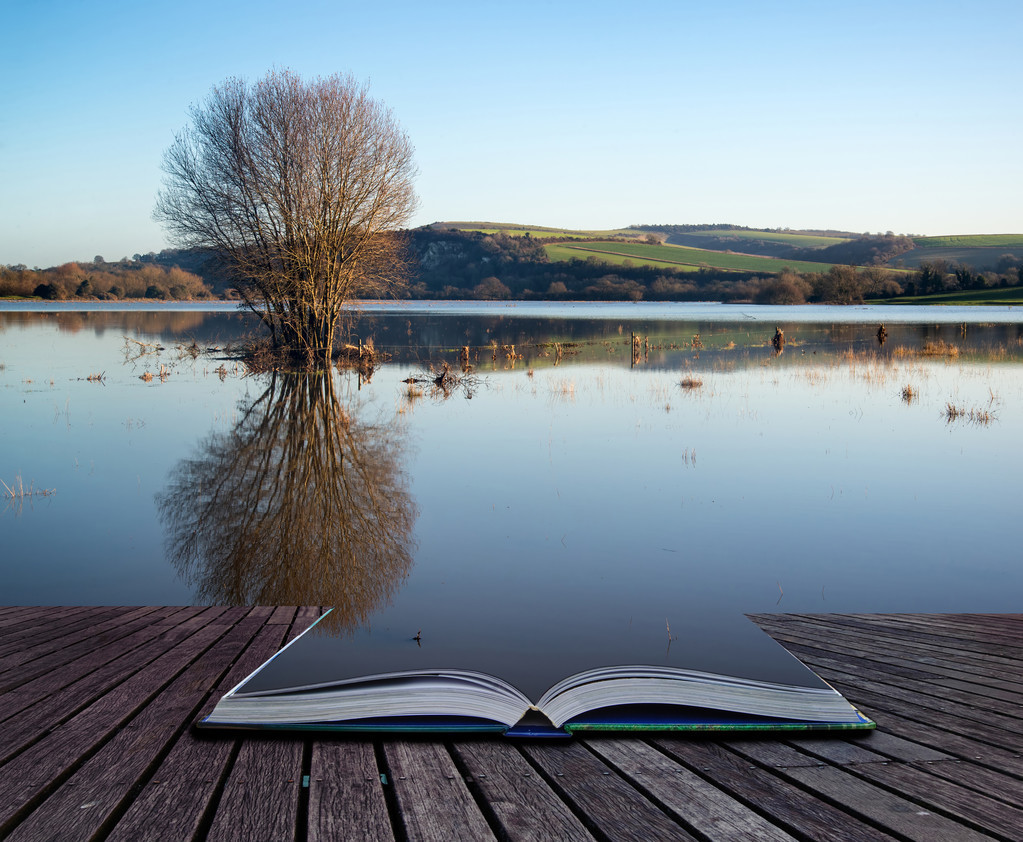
{"x": 991, "y": 814}
{"x": 50, "y": 760}
{"x": 974, "y": 752}
{"x": 901, "y": 659}
{"x": 692, "y": 799}
{"x": 180, "y": 792}
{"x": 903, "y": 814}
{"x": 26, "y": 617}
{"x": 35, "y": 679}
{"x": 24, "y": 647}
{"x": 523, "y": 804}
{"x": 260, "y": 796}
{"x": 81, "y": 806}
{"x": 801, "y": 813}
{"x": 874, "y": 743}
{"x": 54, "y": 708}
{"x": 283, "y": 615}
{"x": 346, "y": 795}
{"x": 608, "y": 801}
{"x": 304, "y": 618}
{"x": 900, "y": 815}
{"x": 972, "y": 655}
{"x": 434, "y": 800}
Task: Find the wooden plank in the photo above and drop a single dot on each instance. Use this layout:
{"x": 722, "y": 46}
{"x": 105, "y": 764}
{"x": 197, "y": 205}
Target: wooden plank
{"x": 525, "y": 807}
{"x": 693, "y": 800}
{"x": 50, "y": 760}
{"x": 346, "y": 795}
{"x": 179, "y": 794}
{"x": 904, "y": 816}
{"x": 924, "y": 653}
{"x": 81, "y": 806}
{"x": 925, "y": 695}
{"x": 876, "y": 742}
{"x": 958, "y": 718}
{"x": 802, "y": 813}
{"x": 29, "y": 690}
{"x": 260, "y": 796}
{"x": 25, "y": 617}
{"x": 20, "y": 647}
{"x": 906, "y": 813}
{"x": 607, "y": 801}
{"x": 304, "y": 618}
{"x": 991, "y": 814}
{"x": 838, "y": 628}
{"x": 283, "y": 615}
{"x": 986, "y": 781}
{"x": 900, "y": 658}
{"x": 32, "y": 722}
{"x": 434, "y": 801}
{"x": 965, "y": 748}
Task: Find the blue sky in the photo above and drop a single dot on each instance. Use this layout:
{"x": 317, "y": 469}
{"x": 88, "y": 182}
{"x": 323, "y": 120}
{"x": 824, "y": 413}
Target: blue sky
{"x": 869, "y": 116}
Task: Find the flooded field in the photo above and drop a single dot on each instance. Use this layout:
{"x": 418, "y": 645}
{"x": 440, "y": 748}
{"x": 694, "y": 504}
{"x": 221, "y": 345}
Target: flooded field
{"x": 661, "y": 460}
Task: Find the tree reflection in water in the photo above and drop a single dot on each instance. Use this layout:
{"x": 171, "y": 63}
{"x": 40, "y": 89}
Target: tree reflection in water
{"x": 302, "y": 503}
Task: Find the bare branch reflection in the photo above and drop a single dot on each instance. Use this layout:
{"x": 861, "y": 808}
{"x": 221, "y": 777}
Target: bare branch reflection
{"x": 303, "y": 503}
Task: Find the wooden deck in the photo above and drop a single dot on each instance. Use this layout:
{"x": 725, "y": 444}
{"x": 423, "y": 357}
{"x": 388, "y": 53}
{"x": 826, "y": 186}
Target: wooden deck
{"x": 96, "y": 706}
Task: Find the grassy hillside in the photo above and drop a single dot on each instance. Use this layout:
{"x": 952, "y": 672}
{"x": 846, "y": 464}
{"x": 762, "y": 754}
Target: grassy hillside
{"x": 786, "y": 238}
{"x": 1006, "y": 242}
{"x": 1005, "y": 296}
{"x": 978, "y": 258}
{"x": 676, "y": 257}
{"x": 689, "y": 247}
{"x": 516, "y": 230}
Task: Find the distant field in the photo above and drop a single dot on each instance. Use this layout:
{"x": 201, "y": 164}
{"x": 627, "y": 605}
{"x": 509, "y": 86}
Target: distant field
{"x": 1009, "y": 296}
{"x": 978, "y": 258}
{"x": 973, "y": 241}
{"x": 678, "y": 257}
{"x": 808, "y": 241}
{"x": 513, "y": 230}
{"x": 567, "y": 252}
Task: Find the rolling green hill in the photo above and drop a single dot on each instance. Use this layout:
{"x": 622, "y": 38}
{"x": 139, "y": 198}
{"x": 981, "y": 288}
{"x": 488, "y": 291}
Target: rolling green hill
{"x": 677, "y": 257}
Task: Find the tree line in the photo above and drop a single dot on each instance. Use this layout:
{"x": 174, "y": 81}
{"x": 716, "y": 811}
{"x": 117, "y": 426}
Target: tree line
{"x": 455, "y": 264}
{"x": 103, "y": 281}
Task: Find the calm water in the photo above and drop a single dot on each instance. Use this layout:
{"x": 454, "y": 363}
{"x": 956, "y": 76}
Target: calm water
{"x": 702, "y": 474}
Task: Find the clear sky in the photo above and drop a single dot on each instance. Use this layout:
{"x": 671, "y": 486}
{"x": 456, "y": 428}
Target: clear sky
{"x": 860, "y": 116}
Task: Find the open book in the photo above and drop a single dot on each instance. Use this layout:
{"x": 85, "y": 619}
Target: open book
{"x": 408, "y": 685}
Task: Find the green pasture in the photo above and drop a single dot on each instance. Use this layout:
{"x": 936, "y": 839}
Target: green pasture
{"x": 679, "y": 257}
{"x": 517, "y": 230}
{"x": 564, "y": 252}
{"x": 978, "y": 258}
{"x": 972, "y": 241}
{"x": 1006, "y": 296}
{"x": 808, "y": 241}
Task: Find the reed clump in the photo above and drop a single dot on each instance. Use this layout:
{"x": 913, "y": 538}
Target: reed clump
{"x": 939, "y": 348}
{"x": 982, "y": 416}
{"x": 17, "y": 491}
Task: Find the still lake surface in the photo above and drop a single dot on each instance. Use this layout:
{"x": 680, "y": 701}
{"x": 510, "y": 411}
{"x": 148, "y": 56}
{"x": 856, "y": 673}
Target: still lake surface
{"x": 695, "y": 474}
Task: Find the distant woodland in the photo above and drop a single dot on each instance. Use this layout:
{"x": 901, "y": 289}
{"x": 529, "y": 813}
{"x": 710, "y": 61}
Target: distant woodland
{"x": 453, "y": 263}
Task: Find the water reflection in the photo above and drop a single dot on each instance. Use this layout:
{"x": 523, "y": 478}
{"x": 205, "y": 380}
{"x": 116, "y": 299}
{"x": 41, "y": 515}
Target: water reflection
{"x": 302, "y": 503}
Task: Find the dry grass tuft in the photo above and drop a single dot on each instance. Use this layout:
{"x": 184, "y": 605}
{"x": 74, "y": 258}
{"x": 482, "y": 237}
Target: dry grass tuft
{"x": 939, "y": 349}
{"x": 17, "y": 490}
{"x": 974, "y": 415}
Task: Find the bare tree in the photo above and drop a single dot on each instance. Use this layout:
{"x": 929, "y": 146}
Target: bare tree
{"x": 300, "y": 189}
